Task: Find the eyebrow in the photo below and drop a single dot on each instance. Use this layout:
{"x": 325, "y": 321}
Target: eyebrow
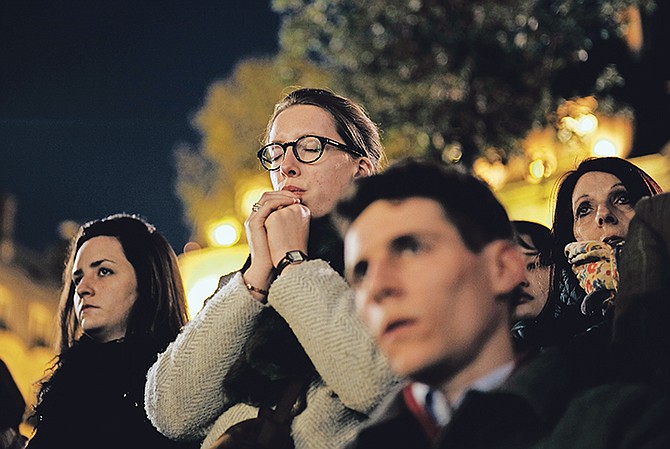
{"x": 403, "y": 239}
{"x": 94, "y": 264}
{"x": 587, "y": 195}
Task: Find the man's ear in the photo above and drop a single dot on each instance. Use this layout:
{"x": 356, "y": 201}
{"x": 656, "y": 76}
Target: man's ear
{"x": 506, "y": 265}
{"x": 364, "y": 168}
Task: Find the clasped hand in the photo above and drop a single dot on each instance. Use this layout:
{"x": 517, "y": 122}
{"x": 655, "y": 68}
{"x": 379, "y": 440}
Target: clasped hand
{"x": 279, "y": 224}
{"x": 595, "y": 266}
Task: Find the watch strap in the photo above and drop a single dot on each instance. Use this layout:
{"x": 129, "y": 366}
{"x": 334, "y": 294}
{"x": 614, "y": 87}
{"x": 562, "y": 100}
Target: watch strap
{"x": 290, "y": 258}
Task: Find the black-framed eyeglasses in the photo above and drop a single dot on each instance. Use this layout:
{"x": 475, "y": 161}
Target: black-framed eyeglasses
{"x": 307, "y": 149}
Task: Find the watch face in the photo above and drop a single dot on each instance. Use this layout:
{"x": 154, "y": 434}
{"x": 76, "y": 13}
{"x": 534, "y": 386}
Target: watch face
{"x": 295, "y": 256}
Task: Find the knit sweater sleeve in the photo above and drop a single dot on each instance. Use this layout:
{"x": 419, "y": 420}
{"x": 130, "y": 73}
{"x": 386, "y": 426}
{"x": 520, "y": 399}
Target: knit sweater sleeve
{"x": 184, "y": 394}
{"x": 318, "y": 305}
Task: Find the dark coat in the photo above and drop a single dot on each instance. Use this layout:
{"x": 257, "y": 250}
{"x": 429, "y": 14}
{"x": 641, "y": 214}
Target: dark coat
{"x": 12, "y": 404}
{"x": 12, "y": 408}
{"x": 543, "y": 405}
{"x": 95, "y": 399}
{"x": 642, "y": 312}
{"x": 560, "y": 320}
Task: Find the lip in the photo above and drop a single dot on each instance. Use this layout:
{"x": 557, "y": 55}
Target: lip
{"x": 525, "y": 298}
{"x": 293, "y": 189}
{"x": 86, "y": 308}
{"x": 397, "y": 327}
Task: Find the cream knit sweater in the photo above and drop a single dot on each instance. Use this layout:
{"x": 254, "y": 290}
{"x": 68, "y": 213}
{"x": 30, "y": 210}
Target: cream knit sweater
{"x": 184, "y": 397}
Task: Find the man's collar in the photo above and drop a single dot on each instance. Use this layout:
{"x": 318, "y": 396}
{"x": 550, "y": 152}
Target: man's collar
{"x": 440, "y": 409}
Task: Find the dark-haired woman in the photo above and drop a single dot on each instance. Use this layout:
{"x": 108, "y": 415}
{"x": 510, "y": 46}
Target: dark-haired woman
{"x": 122, "y": 302}
{"x": 594, "y": 206}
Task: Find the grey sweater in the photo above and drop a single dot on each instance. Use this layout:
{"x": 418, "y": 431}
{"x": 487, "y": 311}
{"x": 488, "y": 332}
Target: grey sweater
{"x": 185, "y": 398}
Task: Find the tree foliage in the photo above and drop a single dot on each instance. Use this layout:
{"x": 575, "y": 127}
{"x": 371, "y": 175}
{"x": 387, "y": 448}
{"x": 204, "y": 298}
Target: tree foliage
{"x": 471, "y": 74}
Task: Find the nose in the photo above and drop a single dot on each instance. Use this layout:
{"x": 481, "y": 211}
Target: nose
{"x": 382, "y": 280}
{"x": 524, "y": 283}
{"x": 605, "y": 216}
{"x": 84, "y": 288}
{"x": 290, "y": 166}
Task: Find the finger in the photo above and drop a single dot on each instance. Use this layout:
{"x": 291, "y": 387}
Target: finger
{"x": 575, "y": 248}
{"x": 271, "y": 201}
{"x": 288, "y": 229}
{"x": 591, "y": 256}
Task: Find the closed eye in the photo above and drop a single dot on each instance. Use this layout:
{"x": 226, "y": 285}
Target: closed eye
{"x": 270, "y": 159}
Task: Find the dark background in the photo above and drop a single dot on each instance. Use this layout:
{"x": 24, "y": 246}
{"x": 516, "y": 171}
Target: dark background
{"x": 94, "y": 96}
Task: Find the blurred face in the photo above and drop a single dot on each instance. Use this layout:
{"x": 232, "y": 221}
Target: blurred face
{"x": 601, "y": 207}
{"x": 427, "y": 300}
{"x": 105, "y": 288}
{"x": 536, "y": 285}
{"x": 319, "y": 184}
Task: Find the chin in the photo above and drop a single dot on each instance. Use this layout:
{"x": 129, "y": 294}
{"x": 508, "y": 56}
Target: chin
{"x": 318, "y": 213}
{"x": 407, "y": 367}
{"x": 92, "y": 331}
{"x": 319, "y": 209}
{"x": 428, "y": 370}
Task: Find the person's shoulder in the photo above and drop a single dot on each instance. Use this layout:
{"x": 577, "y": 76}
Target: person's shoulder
{"x": 613, "y": 415}
{"x": 636, "y": 404}
{"x": 653, "y": 205}
{"x": 390, "y": 405}
{"x": 552, "y": 375}
{"x": 391, "y": 424}
{"x": 540, "y": 363}
{"x": 641, "y": 392}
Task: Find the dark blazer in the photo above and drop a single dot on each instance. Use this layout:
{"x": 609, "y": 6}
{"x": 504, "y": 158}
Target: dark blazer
{"x": 542, "y": 405}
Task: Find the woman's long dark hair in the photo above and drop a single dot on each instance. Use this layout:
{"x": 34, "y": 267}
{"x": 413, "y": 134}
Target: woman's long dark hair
{"x": 160, "y": 310}
{"x": 156, "y": 317}
{"x": 565, "y": 291}
{"x": 636, "y": 181}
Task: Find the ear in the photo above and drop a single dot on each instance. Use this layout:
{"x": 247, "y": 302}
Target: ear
{"x": 506, "y": 266}
{"x": 364, "y": 167}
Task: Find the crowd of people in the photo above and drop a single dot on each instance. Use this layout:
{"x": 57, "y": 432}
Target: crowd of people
{"x": 436, "y": 270}
{"x": 378, "y": 307}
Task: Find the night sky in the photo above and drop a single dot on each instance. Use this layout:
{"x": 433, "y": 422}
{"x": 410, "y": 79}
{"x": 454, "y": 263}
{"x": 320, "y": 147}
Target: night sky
{"x": 94, "y": 96}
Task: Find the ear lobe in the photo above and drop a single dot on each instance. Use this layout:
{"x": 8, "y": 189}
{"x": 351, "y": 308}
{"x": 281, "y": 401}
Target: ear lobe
{"x": 506, "y": 265}
{"x": 364, "y": 167}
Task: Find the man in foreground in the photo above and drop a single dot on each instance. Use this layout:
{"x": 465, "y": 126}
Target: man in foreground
{"x": 431, "y": 256}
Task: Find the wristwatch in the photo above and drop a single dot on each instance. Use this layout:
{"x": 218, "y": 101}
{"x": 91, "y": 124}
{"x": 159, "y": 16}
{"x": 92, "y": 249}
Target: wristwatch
{"x": 291, "y": 257}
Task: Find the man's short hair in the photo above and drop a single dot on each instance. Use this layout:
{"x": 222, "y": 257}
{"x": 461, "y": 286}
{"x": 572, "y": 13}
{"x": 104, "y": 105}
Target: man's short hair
{"x": 467, "y": 201}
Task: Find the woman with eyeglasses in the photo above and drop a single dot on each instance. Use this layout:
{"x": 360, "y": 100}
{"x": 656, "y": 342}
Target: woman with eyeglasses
{"x": 286, "y": 314}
